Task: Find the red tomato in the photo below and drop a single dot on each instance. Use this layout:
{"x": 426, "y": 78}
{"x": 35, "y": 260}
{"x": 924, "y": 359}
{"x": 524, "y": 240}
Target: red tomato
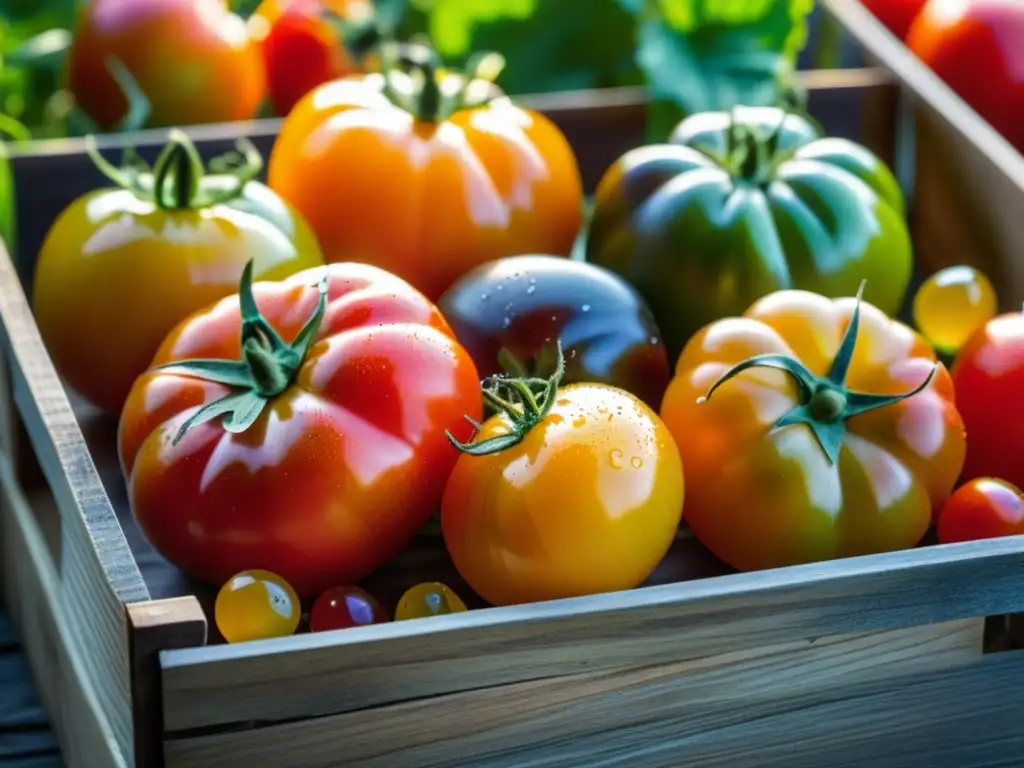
{"x": 192, "y": 58}
{"x": 897, "y": 15}
{"x": 988, "y": 376}
{"x": 985, "y": 508}
{"x": 977, "y": 47}
{"x": 317, "y": 458}
{"x": 301, "y": 48}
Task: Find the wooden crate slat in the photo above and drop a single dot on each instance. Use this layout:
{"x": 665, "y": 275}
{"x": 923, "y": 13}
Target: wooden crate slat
{"x": 81, "y": 716}
{"x": 719, "y": 698}
{"x": 326, "y": 673}
{"x": 97, "y": 572}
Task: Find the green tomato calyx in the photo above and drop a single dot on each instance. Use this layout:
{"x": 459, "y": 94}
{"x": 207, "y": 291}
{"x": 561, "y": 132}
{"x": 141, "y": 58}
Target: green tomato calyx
{"x": 825, "y": 403}
{"x": 416, "y": 80}
{"x": 527, "y": 401}
{"x": 178, "y": 181}
{"x": 750, "y": 157}
{"x": 267, "y": 368}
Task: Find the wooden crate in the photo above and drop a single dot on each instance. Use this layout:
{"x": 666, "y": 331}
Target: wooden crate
{"x": 879, "y": 661}
{"x": 967, "y": 181}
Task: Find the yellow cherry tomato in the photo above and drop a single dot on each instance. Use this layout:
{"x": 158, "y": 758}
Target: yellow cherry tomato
{"x": 122, "y": 266}
{"x": 255, "y": 605}
{"x": 580, "y": 491}
{"x": 952, "y": 304}
{"x": 428, "y": 599}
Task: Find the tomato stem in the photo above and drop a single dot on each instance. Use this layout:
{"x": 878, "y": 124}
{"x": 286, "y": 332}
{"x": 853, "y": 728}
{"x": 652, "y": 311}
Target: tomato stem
{"x": 267, "y": 368}
{"x": 751, "y": 157}
{"x": 824, "y": 402}
{"x": 177, "y": 173}
{"x": 523, "y": 416}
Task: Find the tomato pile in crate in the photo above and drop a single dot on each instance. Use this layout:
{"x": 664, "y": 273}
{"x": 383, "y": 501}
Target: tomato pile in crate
{"x": 391, "y": 340}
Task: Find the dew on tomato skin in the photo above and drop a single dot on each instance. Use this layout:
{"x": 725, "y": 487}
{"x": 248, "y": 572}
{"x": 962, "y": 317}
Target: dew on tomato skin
{"x": 585, "y": 308}
{"x": 531, "y": 288}
{"x": 579, "y": 421}
{"x": 616, "y": 458}
{"x": 636, "y": 462}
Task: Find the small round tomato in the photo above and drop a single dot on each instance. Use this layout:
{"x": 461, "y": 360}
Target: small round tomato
{"x": 302, "y": 48}
{"x": 426, "y": 600}
{"x": 572, "y": 491}
{"x": 256, "y": 605}
{"x": 345, "y": 607}
{"x": 984, "y": 508}
{"x": 952, "y": 304}
{"x": 812, "y": 429}
{"x": 120, "y": 267}
{"x": 976, "y": 48}
{"x": 427, "y": 176}
{"x": 191, "y": 58}
{"x": 988, "y": 375}
{"x": 897, "y": 15}
{"x": 321, "y": 452}
{"x": 510, "y": 312}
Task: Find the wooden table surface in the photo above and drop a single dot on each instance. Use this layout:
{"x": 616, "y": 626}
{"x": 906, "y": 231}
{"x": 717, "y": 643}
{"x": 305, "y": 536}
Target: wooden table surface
{"x": 26, "y": 740}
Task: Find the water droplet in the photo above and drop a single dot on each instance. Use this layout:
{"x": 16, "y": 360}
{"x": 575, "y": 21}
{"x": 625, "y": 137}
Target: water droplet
{"x": 654, "y": 339}
{"x": 585, "y": 307}
{"x": 701, "y": 399}
{"x": 483, "y": 296}
{"x": 636, "y": 462}
{"x": 579, "y": 421}
{"x": 554, "y": 317}
{"x": 506, "y": 322}
{"x": 533, "y": 281}
{"x": 531, "y": 288}
{"x": 500, "y": 286}
{"x": 615, "y": 458}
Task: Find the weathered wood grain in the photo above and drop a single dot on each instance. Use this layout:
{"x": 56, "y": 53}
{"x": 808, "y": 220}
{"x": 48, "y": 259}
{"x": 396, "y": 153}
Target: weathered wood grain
{"x": 71, "y": 695}
{"x": 97, "y": 573}
{"x": 325, "y": 673}
{"x": 969, "y": 189}
{"x": 720, "y": 698}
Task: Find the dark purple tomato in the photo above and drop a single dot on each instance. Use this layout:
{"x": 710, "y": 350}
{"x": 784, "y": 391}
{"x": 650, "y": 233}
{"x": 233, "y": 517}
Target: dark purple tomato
{"x": 514, "y": 310}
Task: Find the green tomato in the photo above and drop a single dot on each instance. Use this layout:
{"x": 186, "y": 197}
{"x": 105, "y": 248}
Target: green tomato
{"x": 738, "y": 205}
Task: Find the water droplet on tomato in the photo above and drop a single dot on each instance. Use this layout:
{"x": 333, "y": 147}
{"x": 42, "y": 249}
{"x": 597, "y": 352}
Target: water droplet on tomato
{"x": 506, "y": 322}
{"x": 483, "y": 296}
{"x": 531, "y": 289}
{"x": 585, "y": 307}
{"x": 636, "y": 462}
{"x": 579, "y": 421}
{"x": 615, "y": 458}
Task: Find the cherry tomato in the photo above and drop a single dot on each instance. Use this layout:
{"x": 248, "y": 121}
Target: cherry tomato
{"x": 255, "y": 605}
{"x": 812, "y": 429}
{"x": 301, "y": 48}
{"x": 120, "y": 267}
{"x": 191, "y": 58}
{"x": 952, "y": 304}
{"x": 509, "y": 313}
{"x": 577, "y": 491}
{"x": 345, "y": 607}
{"x": 897, "y": 15}
{"x": 321, "y": 452}
{"x": 427, "y": 177}
{"x": 426, "y": 600}
{"x": 975, "y": 47}
{"x": 984, "y": 508}
{"x": 988, "y": 375}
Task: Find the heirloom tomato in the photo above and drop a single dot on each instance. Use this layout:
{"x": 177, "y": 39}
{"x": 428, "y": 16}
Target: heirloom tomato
{"x": 120, "y": 267}
{"x": 812, "y": 429}
{"x": 567, "y": 491}
{"x": 977, "y": 48}
{"x": 988, "y": 374}
{"x": 508, "y": 314}
{"x": 739, "y": 205}
{"x": 897, "y": 15}
{"x": 427, "y": 173}
{"x": 192, "y": 59}
{"x": 983, "y": 508}
{"x": 299, "y": 427}
{"x": 303, "y": 47}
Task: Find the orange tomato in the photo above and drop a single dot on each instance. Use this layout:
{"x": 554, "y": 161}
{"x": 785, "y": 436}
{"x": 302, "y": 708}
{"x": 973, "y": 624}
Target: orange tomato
{"x": 426, "y": 176}
{"x": 807, "y": 447}
{"x": 192, "y": 59}
{"x": 301, "y": 48}
{"x": 578, "y": 493}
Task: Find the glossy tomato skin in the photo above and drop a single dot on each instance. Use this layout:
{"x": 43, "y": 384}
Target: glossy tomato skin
{"x": 524, "y": 304}
{"x": 339, "y": 471}
{"x": 975, "y": 47}
{"x": 192, "y": 59}
{"x": 984, "y": 508}
{"x": 116, "y": 273}
{"x": 763, "y": 497}
{"x": 897, "y": 15}
{"x": 989, "y": 377}
{"x": 300, "y": 48}
{"x": 426, "y": 201}
{"x": 588, "y": 502}
{"x": 702, "y": 240}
